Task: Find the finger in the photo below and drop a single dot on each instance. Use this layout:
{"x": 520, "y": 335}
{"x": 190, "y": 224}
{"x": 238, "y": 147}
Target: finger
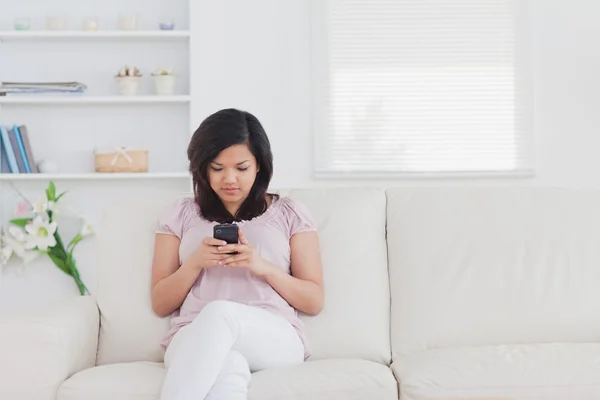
{"x": 212, "y": 262}
{"x": 216, "y": 254}
{"x": 232, "y": 248}
{"x": 242, "y": 237}
{"x": 238, "y": 264}
{"x": 214, "y": 242}
{"x": 233, "y": 259}
{"x": 215, "y": 251}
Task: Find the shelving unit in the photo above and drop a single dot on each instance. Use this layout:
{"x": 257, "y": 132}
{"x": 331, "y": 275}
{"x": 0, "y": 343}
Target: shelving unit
{"x": 93, "y": 176}
{"x": 88, "y": 35}
{"x": 65, "y": 129}
{"x": 90, "y": 100}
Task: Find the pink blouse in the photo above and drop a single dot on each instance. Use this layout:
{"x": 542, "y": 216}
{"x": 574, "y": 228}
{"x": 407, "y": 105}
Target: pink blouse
{"x": 269, "y": 234}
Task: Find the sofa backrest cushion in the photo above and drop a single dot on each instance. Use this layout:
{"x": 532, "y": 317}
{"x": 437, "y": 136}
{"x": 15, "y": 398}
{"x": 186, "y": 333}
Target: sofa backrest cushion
{"x": 355, "y": 319}
{"x": 129, "y": 328}
{"x": 478, "y": 266}
{"x": 353, "y": 323}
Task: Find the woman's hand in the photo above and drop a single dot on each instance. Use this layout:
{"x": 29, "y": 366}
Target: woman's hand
{"x": 206, "y": 255}
{"x": 247, "y": 257}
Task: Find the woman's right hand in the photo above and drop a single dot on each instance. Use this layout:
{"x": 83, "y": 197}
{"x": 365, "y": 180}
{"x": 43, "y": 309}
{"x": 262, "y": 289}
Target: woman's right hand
{"x": 206, "y": 255}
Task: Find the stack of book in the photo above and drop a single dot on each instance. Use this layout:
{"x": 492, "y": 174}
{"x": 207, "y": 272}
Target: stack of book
{"x": 16, "y": 156}
{"x": 12, "y": 88}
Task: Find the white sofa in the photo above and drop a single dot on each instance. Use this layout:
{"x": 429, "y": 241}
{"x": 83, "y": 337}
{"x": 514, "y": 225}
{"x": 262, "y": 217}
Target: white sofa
{"x": 431, "y": 293}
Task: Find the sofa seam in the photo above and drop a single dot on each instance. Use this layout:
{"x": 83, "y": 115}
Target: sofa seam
{"x": 389, "y": 278}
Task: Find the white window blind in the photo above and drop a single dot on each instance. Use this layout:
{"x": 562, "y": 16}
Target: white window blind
{"x": 419, "y": 86}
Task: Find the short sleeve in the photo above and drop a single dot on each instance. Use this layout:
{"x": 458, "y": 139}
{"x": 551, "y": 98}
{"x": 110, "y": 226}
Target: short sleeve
{"x": 298, "y": 217}
{"x": 173, "y": 219}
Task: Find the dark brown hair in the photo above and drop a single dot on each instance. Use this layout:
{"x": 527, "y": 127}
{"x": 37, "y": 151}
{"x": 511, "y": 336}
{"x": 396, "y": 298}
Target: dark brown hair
{"x": 216, "y": 133}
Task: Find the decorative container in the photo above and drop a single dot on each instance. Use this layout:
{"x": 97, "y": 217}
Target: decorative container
{"x": 121, "y": 159}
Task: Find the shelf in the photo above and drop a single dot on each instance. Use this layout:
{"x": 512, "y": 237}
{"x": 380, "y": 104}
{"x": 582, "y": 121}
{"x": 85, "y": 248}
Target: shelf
{"x": 94, "y": 176}
{"x": 83, "y": 99}
{"x": 108, "y": 34}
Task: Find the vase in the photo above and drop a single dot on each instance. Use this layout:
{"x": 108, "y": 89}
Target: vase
{"x": 128, "y": 85}
{"x": 164, "y": 85}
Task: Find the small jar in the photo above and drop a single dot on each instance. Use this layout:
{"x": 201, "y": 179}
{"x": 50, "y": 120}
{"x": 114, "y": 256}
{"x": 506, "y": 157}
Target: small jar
{"x": 128, "y": 22}
{"x": 22, "y": 24}
{"x": 90, "y": 24}
{"x": 166, "y": 25}
{"x": 55, "y": 22}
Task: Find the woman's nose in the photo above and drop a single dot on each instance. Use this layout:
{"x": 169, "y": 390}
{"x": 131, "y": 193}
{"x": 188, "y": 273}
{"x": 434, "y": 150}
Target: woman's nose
{"x": 230, "y": 176}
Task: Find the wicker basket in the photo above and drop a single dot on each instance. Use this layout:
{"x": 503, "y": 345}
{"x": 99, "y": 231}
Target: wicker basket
{"x": 122, "y": 159}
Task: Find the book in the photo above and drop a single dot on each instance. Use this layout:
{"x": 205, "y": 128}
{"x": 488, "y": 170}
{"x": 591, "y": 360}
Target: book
{"x": 41, "y": 87}
{"x": 24, "y": 133}
{"x": 4, "y": 167}
{"x": 7, "y": 146}
{"x": 15, "y": 148}
{"x": 21, "y": 148}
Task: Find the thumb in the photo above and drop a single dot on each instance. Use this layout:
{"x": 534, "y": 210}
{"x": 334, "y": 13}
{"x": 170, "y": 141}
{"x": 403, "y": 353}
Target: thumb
{"x": 242, "y": 237}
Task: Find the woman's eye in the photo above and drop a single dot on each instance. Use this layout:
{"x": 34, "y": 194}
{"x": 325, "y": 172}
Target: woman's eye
{"x": 243, "y": 169}
{"x": 217, "y": 169}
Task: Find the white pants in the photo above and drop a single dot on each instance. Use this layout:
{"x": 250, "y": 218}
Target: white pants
{"x": 212, "y": 357}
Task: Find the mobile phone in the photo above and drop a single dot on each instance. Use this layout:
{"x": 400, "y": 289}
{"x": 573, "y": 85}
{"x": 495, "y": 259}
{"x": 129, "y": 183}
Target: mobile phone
{"x": 226, "y": 232}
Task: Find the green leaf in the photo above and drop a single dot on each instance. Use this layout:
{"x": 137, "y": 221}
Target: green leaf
{"x": 80, "y": 285}
{"x": 60, "y": 263}
{"x": 59, "y": 249}
{"x": 51, "y": 192}
{"x": 60, "y": 195}
{"x": 74, "y": 241}
{"x": 20, "y": 221}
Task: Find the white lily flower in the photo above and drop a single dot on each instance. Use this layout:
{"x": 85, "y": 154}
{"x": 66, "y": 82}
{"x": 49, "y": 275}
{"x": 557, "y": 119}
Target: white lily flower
{"x": 17, "y": 233}
{"x": 42, "y": 206}
{"x": 41, "y": 234}
{"x": 5, "y": 254}
{"x": 12, "y": 246}
{"x": 87, "y": 229}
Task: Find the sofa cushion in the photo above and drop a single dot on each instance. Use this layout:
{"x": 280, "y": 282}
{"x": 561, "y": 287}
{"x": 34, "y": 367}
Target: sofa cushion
{"x": 484, "y": 266}
{"x": 353, "y": 324}
{"x": 537, "y": 371}
{"x": 129, "y": 329}
{"x": 137, "y": 380}
{"x": 313, "y": 380}
{"x": 336, "y": 379}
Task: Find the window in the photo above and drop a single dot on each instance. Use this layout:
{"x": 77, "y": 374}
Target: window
{"x": 406, "y": 87}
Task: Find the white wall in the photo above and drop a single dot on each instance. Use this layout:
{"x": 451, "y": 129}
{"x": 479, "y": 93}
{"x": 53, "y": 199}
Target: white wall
{"x": 255, "y": 55}
{"x": 259, "y": 60}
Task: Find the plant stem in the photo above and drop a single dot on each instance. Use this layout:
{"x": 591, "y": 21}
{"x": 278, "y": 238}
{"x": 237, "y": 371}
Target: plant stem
{"x": 70, "y": 263}
{"x": 59, "y": 244}
{"x": 80, "y": 285}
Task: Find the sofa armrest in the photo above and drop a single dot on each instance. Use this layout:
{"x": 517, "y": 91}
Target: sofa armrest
{"x": 39, "y": 351}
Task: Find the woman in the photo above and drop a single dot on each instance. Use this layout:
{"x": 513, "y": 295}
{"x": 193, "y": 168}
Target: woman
{"x": 233, "y": 306}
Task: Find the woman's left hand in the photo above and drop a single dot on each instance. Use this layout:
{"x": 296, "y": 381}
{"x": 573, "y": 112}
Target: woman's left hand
{"x": 247, "y": 257}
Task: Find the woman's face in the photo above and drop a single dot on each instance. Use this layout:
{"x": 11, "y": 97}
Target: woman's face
{"x": 231, "y": 175}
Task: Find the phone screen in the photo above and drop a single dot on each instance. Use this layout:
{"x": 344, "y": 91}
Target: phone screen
{"x": 226, "y": 232}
